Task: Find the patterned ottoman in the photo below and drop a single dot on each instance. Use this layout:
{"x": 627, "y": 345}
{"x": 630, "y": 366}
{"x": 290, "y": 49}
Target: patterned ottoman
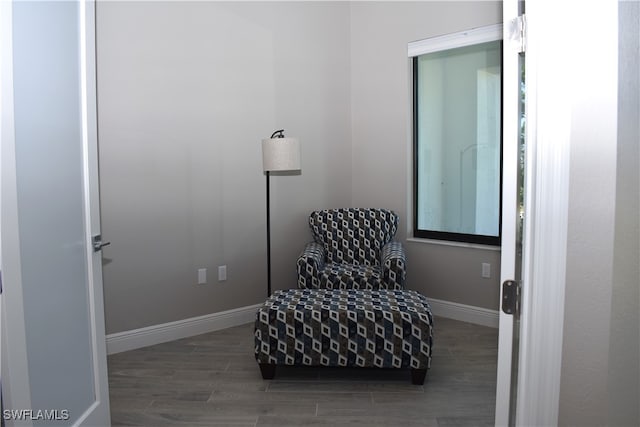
{"x": 345, "y": 327}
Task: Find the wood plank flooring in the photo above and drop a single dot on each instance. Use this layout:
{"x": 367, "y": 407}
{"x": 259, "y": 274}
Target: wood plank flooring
{"x": 214, "y": 380}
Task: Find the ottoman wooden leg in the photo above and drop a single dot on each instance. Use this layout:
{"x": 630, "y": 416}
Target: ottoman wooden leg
{"x": 268, "y": 370}
{"x": 418, "y": 376}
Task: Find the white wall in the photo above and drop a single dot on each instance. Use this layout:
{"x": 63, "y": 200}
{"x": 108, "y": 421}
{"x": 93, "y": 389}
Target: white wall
{"x": 381, "y": 133}
{"x": 600, "y": 373}
{"x": 186, "y": 92}
{"x": 624, "y": 336}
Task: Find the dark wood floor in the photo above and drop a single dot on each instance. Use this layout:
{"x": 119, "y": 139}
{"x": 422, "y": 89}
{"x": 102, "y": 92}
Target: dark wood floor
{"x": 213, "y": 380}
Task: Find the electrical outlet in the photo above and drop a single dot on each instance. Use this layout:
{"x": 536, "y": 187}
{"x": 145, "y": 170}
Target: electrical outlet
{"x": 486, "y": 270}
{"x": 222, "y": 273}
{"x": 202, "y": 276}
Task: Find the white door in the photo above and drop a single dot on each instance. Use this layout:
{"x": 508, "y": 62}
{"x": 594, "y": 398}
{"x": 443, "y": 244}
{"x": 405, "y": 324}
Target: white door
{"x": 53, "y": 344}
{"x": 513, "y": 209}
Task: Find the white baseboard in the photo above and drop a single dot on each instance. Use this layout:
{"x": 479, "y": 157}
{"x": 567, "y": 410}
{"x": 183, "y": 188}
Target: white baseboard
{"x": 464, "y": 313}
{"x": 156, "y": 334}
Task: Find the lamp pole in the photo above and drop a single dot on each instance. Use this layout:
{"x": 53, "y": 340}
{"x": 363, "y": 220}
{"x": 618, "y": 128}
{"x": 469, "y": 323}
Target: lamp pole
{"x": 268, "y": 240}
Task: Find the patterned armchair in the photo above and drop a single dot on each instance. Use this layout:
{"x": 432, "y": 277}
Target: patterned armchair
{"x": 352, "y": 249}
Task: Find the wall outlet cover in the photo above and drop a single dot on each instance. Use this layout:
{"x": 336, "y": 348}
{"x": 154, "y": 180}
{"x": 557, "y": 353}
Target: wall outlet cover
{"x": 202, "y": 276}
{"x": 222, "y": 273}
{"x": 486, "y": 270}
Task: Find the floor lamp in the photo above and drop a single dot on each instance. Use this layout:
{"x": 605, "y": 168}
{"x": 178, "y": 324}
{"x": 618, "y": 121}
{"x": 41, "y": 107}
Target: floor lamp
{"x": 279, "y": 154}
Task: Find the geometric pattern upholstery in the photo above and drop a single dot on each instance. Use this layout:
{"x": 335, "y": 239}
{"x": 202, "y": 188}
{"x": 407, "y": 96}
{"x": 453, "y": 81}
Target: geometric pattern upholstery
{"x": 352, "y": 249}
{"x": 324, "y": 327}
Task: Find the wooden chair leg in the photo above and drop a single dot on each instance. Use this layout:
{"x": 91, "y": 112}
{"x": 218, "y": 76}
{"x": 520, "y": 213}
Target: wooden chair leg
{"x": 268, "y": 370}
{"x": 418, "y": 376}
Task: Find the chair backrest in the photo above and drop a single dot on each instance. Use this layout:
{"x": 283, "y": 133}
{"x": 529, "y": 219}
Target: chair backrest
{"x": 353, "y": 235}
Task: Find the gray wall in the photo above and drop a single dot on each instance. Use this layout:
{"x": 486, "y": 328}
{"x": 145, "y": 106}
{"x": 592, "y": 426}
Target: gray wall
{"x": 381, "y": 113}
{"x": 186, "y": 91}
{"x": 600, "y": 368}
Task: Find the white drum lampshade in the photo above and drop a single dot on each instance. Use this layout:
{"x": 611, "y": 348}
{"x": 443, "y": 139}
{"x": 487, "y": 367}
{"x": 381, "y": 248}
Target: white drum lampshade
{"x": 280, "y": 154}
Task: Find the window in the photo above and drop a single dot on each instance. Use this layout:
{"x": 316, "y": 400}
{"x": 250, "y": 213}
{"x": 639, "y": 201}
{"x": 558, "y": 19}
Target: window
{"x": 457, "y": 136}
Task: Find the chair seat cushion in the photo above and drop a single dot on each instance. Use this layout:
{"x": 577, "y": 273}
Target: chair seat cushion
{"x": 349, "y": 276}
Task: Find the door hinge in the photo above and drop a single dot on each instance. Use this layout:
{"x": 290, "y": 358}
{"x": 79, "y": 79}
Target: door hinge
{"x": 521, "y": 28}
{"x": 517, "y": 32}
{"x": 511, "y": 297}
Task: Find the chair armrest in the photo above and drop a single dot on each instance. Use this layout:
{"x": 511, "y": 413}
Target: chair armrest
{"x": 309, "y": 264}
{"x": 394, "y": 265}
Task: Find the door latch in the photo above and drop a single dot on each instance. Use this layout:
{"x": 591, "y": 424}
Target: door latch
{"x": 97, "y": 243}
{"x": 511, "y": 297}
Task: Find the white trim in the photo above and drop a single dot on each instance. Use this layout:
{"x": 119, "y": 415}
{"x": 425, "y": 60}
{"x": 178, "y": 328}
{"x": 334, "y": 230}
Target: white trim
{"x": 555, "y": 116}
{"x": 509, "y": 205}
{"x": 452, "y": 243}
{"x": 454, "y": 40}
{"x": 464, "y": 313}
{"x": 156, "y": 334}
{"x": 99, "y": 412}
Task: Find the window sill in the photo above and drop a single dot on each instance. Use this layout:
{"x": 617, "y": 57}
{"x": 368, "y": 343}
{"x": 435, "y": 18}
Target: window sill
{"x": 456, "y": 244}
